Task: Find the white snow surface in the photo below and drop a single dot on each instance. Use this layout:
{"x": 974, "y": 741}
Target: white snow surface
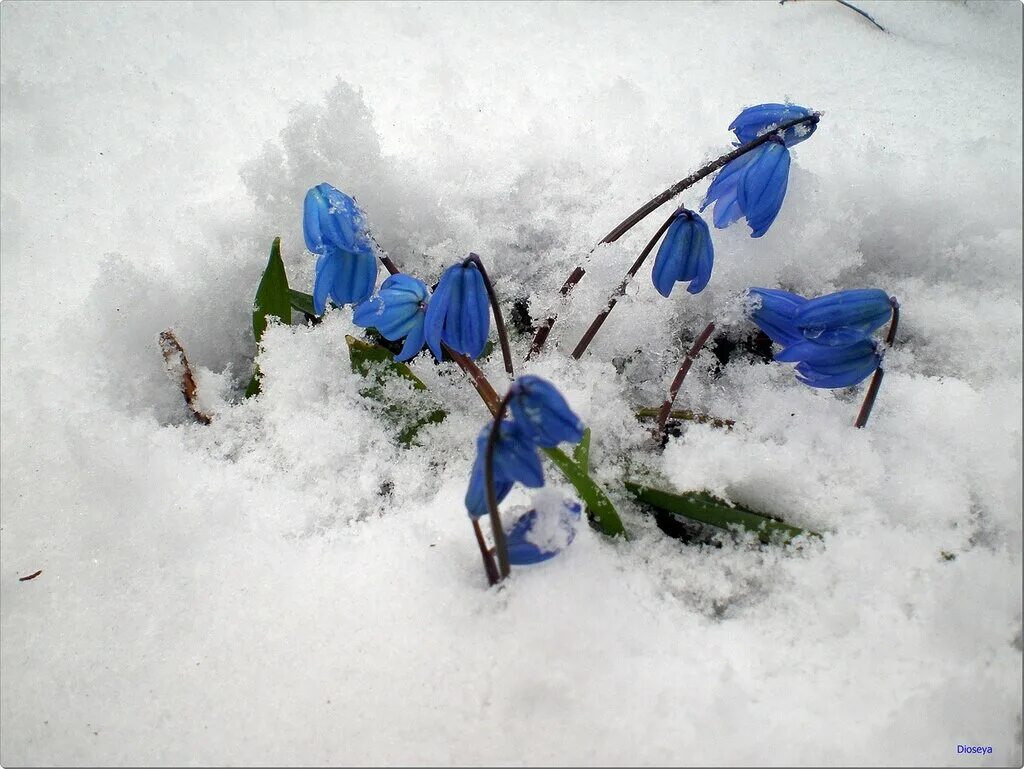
{"x": 288, "y": 585}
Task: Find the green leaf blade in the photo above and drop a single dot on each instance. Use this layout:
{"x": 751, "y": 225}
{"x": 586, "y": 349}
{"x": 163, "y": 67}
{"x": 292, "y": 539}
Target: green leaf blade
{"x": 708, "y": 509}
{"x": 599, "y": 508}
{"x": 272, "y": 295}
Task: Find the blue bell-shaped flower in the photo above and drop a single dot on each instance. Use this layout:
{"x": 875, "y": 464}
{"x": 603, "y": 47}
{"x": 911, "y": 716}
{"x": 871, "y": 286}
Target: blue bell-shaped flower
{"x": 515, "y": 459}
{"x": 774, "y": 310}
{"x": 752, "y": 186}
{"x": 542, "y": 413}
{"x": 762, "y": 118}
{"x": 335, "y": 228}
{"x": 543, "y": 532}
{"x": 829, "y": 366}
{"x": 398, "y": 310}
{"x": 458, "y": 313}
{"x": 686, "y": 255}
{"x": 843, "y": 317}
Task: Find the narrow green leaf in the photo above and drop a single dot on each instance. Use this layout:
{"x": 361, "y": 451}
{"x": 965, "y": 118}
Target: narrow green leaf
{"x": 272, "y": 297}
{"x": 599, "y": 508}
{"x": 581, "y": 453}
{"x": 408, "y": 434}
{"x": 379, "y": 365}
{"x": 370, "y": 359}
{"x": 271, "y": 301}
{"x": 301, "y": 302}
{"x": 706, "y": 508}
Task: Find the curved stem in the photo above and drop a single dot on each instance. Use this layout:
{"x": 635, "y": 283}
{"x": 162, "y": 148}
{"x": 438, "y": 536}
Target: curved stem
{"x": 497, "y": 530}
{"x": 389, "y": 265}
{"x": 876, "y": 379}
{"x": 483, "y": 387}
{"x": 647, "y": 208}
{"x": 489, "y": 566}
{"x": 596, "y": 324}
{"x": 499, "y": 321}
{"x": 684, "y": 369}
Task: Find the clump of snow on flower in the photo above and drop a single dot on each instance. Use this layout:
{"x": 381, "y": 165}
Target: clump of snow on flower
{"x": 289, "y": 585}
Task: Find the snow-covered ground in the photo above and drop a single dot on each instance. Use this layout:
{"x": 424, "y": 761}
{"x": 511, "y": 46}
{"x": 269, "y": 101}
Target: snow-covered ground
{"x": 288, "y": 585}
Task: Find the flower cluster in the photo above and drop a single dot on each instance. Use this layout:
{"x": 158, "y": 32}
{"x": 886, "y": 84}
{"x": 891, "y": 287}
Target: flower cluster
{"x": 541, "y": 418}
{"x": 829, "y": 338}
{"x": 752, "y": 185}
{"x": 457, "y": 315}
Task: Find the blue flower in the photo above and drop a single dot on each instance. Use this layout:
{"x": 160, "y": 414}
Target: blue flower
{"x": 774, "y": 310}
{"x": 761, "y": 118}
{"x": 829, "y": 366}
{"x": 398, "y": 310}
{"x": 458, "y": 313}
{"x": 543, "y": 532}
{"x": 335, "y": 228}
{"x": 843, "y": 317}
{"x": 542, "y": 413}
{"x": 686, "y": 255}
{"x": 515, "y": 459}
{"x": 753, "y": 186}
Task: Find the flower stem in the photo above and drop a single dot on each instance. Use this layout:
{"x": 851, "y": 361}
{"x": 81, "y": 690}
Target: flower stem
{"x": 596, "y": 324}
{"x": 497, "y": 530}
{"x": 677, "y": 383}
{"x": 485, "y": 553}
{"x": 389, "y": 265}
{"x": 656, "y": 202}
{"x": 483, "y": 387}
{"x": 876, "y": 379}
{"x": 499, "y": 321}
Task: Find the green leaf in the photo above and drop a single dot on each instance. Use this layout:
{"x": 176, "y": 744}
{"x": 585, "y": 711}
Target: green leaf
{"x": 370, "y": 359}
{"x": 708, "y": 509}
{"x": 271, "y": 300}
{"x": 254, "y": 384}
{"x": 272, "y": 297}
{"x": 379, "y": 365}
{"x": 581, "y": 454}
{"x": 301, "y": 302}
{"x": 600, "y": 509}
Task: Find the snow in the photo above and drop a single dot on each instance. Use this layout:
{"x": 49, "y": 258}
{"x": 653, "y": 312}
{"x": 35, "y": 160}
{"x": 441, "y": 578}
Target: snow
{"x": 288, "y": 585}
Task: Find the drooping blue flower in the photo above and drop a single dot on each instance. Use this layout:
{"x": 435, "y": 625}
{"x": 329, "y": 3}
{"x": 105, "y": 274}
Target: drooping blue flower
{"x": 843, "y": 317}
{"x": 686, "y": 255}
{"x": 335, "y": 228}
{"x": 761, "y": 118}
{"x": 752, "y": 186}
{"x": 543, "y": 532}
{"x": 542, "y": 413}
{"x": 515, "y": 459}
{"x": 830, "y": 366}
{"x": 774, "y": 310}
{"x": 458, "y": 313}
{"x": 398, "y": 310}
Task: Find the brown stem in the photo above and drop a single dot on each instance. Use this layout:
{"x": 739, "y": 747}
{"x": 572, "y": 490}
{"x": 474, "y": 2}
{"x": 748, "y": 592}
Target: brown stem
{"x": 483, "y": 387}
{"x": 485, "y": 553}
{"x": 647, "y": 208}
{"x": 497, "y": 530}
{"x": 545, "y": 328}
{"x": 684, "y": 369}
{"x": 499, "y": 321}
{"x": 389, "y": 265}
{"x": 876, "y": 378}
{"x": 596, "y": 324}
{"x": 179, "y": 369}
{"x": 686, "y": 415}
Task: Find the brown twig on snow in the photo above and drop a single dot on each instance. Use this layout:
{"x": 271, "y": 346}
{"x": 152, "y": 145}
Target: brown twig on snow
{"x": 179, "y": 370}
{"x": 33, "y": 575}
